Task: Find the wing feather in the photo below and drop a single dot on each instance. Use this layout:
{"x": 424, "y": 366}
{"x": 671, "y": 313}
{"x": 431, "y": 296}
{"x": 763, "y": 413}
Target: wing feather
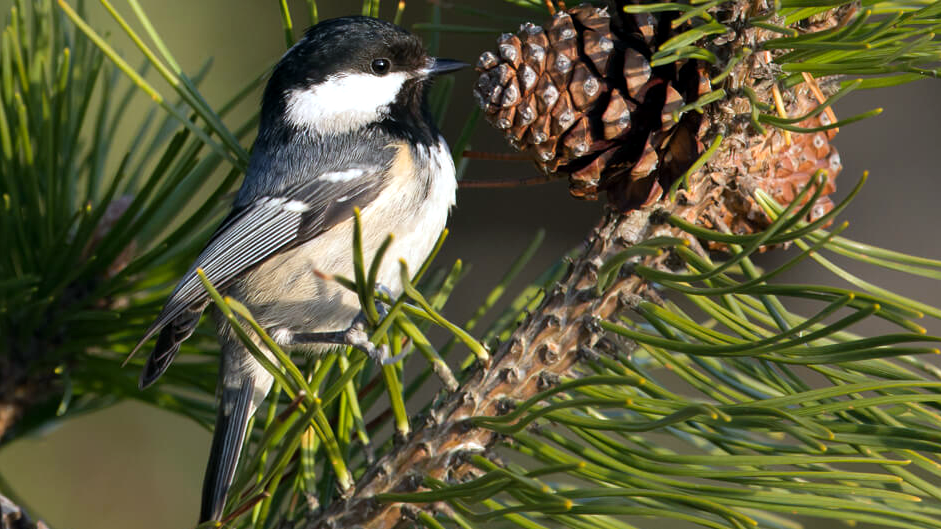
{"x": 269, "y": 225}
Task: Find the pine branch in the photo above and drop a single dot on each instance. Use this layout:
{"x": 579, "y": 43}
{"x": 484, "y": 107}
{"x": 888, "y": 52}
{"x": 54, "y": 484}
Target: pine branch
{"x": 543, "y": 349}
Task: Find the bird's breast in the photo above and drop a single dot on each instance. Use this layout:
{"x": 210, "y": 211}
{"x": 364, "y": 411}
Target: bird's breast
{"x": 293, "y": 289}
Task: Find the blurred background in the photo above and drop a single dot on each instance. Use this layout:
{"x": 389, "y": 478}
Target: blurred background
{"x": 132, "y": 465}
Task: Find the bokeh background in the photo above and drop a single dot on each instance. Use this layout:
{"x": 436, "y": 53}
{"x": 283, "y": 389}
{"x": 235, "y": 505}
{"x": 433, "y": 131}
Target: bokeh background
{"x": 135, "y": 466}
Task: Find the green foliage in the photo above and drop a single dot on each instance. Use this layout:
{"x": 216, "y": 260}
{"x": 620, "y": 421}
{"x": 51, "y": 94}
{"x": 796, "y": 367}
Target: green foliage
{"x": 892, "y": 42}
{"x": 722, "y": 407}
{"x": 893, "y": 38}
{"x": 770, "y": 413}
{"x": 90, "y": 248}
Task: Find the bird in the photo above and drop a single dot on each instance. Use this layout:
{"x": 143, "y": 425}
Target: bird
{"x": 344, "y": 124}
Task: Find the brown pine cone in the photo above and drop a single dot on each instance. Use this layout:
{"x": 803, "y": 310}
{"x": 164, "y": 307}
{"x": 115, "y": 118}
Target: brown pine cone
{"x": 781, "y": 165}
{"x": 581, "y": 96}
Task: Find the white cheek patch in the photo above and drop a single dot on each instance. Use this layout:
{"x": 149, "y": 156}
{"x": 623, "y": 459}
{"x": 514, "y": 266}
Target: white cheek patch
{"x": 343, "y": 102}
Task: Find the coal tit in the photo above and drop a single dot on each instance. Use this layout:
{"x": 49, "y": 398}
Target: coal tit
{"x": 344, "y": 124}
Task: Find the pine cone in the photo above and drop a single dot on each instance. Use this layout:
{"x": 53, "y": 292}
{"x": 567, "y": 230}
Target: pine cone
{"x": 581, "y": 96}
{"x": 779, "y": 164}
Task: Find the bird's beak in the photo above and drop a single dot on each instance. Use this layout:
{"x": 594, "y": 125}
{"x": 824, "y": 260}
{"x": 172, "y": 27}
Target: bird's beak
{"x": 438, "y": 66}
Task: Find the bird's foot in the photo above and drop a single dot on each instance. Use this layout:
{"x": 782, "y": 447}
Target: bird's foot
{"x": 354, "y": 336}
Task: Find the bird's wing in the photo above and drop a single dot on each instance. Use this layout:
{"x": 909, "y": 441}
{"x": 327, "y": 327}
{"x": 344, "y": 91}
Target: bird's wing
{"x": 269, "y": 225}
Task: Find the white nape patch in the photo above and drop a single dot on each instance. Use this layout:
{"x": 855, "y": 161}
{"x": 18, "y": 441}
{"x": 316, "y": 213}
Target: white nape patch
{"x": 343, "y": 102}
{"x": 296, "y": 206}
{"x": 342, "y": 176}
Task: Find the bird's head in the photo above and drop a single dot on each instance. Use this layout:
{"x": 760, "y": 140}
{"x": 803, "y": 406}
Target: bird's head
{"x": 348, "y": 73}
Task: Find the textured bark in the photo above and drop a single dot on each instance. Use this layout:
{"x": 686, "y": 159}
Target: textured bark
{"x": 12, "y": 516}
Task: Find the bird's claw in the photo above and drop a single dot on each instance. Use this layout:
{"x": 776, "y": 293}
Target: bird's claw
{"x": 356, "y": 336}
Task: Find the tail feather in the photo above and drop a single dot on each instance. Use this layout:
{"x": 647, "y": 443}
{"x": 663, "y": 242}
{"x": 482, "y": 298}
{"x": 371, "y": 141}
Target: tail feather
{"x": 168, "y": 345}
{"x": 235, "y": 408}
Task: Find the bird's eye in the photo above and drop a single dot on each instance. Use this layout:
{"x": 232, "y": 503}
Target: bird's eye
{"x": 381, "y": 66}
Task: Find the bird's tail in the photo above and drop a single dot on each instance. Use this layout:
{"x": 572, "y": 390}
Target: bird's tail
{"x": 235, "y": 408}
